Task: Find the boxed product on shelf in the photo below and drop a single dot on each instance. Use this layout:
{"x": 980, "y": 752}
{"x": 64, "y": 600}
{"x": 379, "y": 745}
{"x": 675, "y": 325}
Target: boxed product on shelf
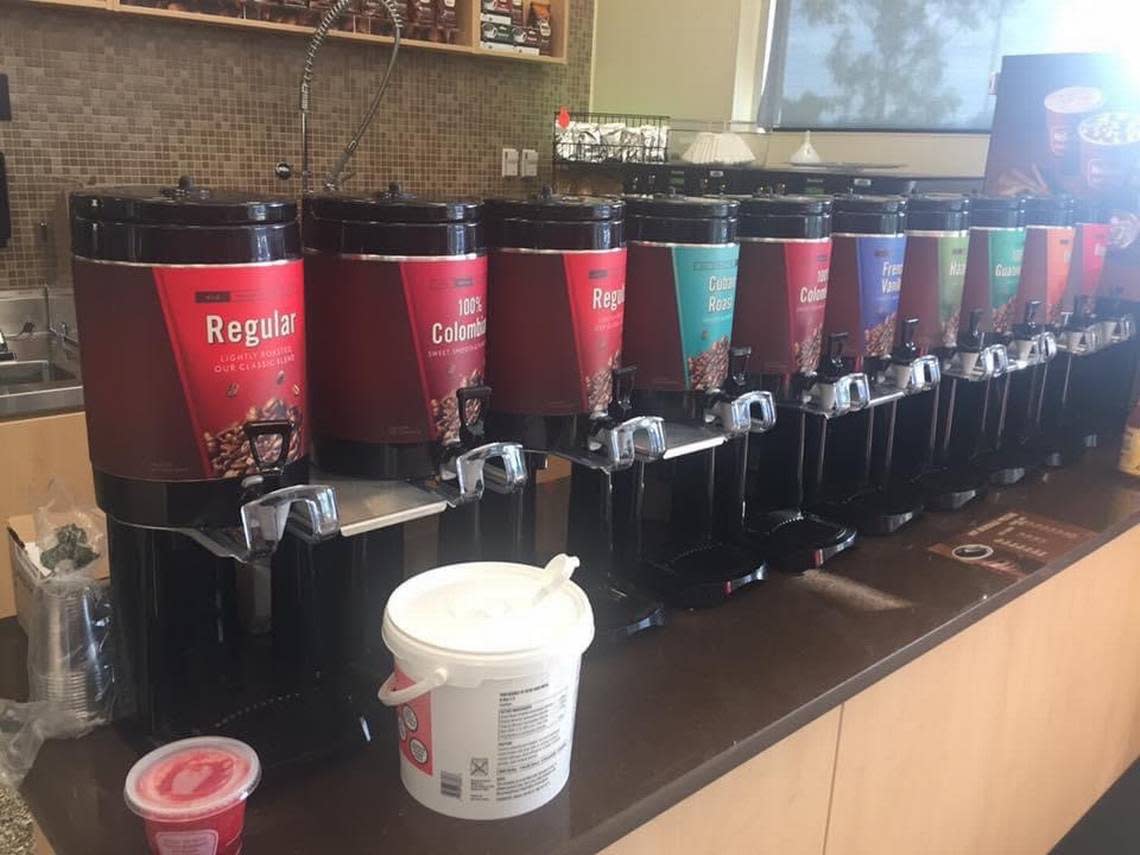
{"x": 540, "y": 18}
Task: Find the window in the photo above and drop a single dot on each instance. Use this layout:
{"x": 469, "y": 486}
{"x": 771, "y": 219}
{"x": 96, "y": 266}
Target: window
{"x": 918, "y": 64}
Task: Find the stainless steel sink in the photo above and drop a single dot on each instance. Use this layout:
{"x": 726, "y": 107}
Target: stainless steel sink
{"x": 31, "y": 371}
{"x": 43, "y": 378}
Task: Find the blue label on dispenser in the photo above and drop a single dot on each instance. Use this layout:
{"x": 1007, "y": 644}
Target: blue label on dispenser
{"x": 705, "y": 279}
{"x": 880, "y": 262}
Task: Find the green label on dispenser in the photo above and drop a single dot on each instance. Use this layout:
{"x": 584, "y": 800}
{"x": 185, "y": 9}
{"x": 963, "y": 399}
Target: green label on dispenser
{"x": 952, "y": 252}
{"x": 1006, "y": 250}
{"x": 705, "y": 278}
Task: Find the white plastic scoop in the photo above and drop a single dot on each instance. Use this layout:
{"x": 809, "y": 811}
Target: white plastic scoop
{"x": 556, "y": 573}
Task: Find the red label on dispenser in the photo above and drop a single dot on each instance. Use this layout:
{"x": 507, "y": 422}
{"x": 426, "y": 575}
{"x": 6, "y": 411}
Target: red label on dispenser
{"x": 179, "y": 359}
{"x": 239, "y": 342}
{"x": 555, "y": 330}
{"x": 392, "y": 341}
{"x": 1090, "y": 247}
{"x": 447, "y": 302}
{"x": 781, "y": 298}
{"x": 1045, "y": 271}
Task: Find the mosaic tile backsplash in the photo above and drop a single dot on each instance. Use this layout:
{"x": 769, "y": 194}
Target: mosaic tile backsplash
{"x": 99, "y": 97}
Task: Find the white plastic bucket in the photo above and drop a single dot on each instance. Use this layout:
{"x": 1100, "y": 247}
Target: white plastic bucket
{"x": 486, "y": 685}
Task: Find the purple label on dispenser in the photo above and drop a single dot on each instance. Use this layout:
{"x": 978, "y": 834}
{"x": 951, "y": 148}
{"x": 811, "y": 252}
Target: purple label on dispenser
{"x": 880, "y": 263}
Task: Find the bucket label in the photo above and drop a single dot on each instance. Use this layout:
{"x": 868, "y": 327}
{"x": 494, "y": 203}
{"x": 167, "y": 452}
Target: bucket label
{"x": 535, "y": 724}
{"x": 201, "y": 842}
{"x": 1006, "y": 254}
{"x": 413, "y": 724}
{"x": 705, "y": 282}
{"x": 555, "y": 330}
{"x": 880, "y": 268}
{"x": 177, "y": 360}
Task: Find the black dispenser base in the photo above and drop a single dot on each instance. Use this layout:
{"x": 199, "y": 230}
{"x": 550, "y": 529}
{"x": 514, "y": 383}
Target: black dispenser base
{"x": 621, "y": 608}
{"x": 795, "y": 541}
{"x": 1009, "y": 465}
{"x": 1065, "y": 447}
{"x": 877, "y": 511}
{"x": 702, "y": 574}
{"x": 952, "y": 489}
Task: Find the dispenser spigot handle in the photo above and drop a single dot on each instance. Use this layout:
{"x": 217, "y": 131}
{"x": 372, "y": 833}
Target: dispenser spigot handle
{"x": 831, "y": 365}
{"x": 738, "y": 358}
{"x": 621, "y": 403}
{"x": 472, "y": 402}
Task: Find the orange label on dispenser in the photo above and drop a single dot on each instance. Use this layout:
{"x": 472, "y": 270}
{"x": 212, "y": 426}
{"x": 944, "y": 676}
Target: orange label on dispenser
{"x": 1045, "y": 271}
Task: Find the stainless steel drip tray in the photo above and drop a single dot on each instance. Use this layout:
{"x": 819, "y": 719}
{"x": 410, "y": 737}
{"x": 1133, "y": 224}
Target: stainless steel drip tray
{"x": 365, "y": 505}
{"x": 683, "y": 439}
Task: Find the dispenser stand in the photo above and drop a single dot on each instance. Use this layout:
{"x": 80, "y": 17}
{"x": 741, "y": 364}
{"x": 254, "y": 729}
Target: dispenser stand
{"x": 692, "y": 547}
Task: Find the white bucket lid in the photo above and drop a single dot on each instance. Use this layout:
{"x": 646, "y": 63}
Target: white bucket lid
{"x": 192, "y": 779}
{"x": 480, "y": 621}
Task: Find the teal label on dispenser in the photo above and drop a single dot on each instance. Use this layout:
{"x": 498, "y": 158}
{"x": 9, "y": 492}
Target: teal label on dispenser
{"x": 880, "y": 261}
{"x": 705, "y": 280}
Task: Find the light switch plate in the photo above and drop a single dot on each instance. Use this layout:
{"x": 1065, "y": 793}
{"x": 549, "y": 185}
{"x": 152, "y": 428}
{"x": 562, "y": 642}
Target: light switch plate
{"x": 529, "y": 163}
{"x": 510, "y": 162}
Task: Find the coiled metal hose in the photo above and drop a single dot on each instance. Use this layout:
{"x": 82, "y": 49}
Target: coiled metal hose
{"x": 320, "y": 34}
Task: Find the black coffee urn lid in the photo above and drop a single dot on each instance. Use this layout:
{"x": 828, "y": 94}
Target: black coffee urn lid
{"x": 182, "y": 224}
{"x": 938, "y": 212}
{"x": 1049, "y": 210}
{"x": 1002, "y": 212}
{"x": 392, "y": 222}
{"x": 554, "y": 222}
{"x": 868, "y": 215}
{"x": 673, "y": 218}
{"x": 788, "y": 217}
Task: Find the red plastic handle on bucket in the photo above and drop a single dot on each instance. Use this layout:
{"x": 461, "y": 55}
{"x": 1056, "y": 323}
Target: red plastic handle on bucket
{"x": 390, "y": 697}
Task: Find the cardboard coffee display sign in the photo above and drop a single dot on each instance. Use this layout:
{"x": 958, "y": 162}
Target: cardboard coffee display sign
{"x": 1070, "y": 123}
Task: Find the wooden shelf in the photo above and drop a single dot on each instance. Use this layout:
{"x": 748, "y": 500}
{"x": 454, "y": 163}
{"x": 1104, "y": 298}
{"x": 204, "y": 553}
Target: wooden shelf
{"x": 468, "y": 28}
{"x": 82, "y": 4}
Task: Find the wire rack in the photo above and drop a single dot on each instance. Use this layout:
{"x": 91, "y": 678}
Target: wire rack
{"x": 608, "y": 138}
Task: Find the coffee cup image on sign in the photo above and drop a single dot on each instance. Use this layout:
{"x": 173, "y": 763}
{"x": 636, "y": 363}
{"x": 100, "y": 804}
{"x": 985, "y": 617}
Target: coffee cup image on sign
{"x": 1110, "y": 149}
{"x": 1064, "y": 110}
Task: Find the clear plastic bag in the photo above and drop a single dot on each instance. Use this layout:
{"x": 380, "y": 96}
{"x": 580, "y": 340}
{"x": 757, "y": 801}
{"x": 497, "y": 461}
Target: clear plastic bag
{"x": 23, "y": 729}
{"x": 71, "y": 678}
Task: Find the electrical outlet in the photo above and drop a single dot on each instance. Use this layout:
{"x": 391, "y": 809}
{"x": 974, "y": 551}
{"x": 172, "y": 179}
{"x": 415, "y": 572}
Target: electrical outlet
{"x": 510, "y": 162}
{"x": 529, "y": 163}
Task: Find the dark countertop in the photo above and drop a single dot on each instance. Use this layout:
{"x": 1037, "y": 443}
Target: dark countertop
{"x": 658, "y": 717}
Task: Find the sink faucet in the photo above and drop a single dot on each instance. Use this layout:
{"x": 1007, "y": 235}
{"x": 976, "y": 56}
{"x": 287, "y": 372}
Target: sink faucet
{"x": 63, "y": 331}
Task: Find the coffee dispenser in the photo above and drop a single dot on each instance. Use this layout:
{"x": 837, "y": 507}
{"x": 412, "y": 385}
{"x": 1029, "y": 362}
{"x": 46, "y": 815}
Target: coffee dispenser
{"x": 1031, "y": 342}
{"x": 192, "y": 304}
{"x": 680, "y": 300}
{"x": 557, "y": 297}
{"x": 931, "y": 301}
{"x": 1082, "y": 373}
{"x": 855, "y": 474}
{"x": 993, "y": 274}
{"x": 396, "y": 300}
{"x": 785, "y": 259}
